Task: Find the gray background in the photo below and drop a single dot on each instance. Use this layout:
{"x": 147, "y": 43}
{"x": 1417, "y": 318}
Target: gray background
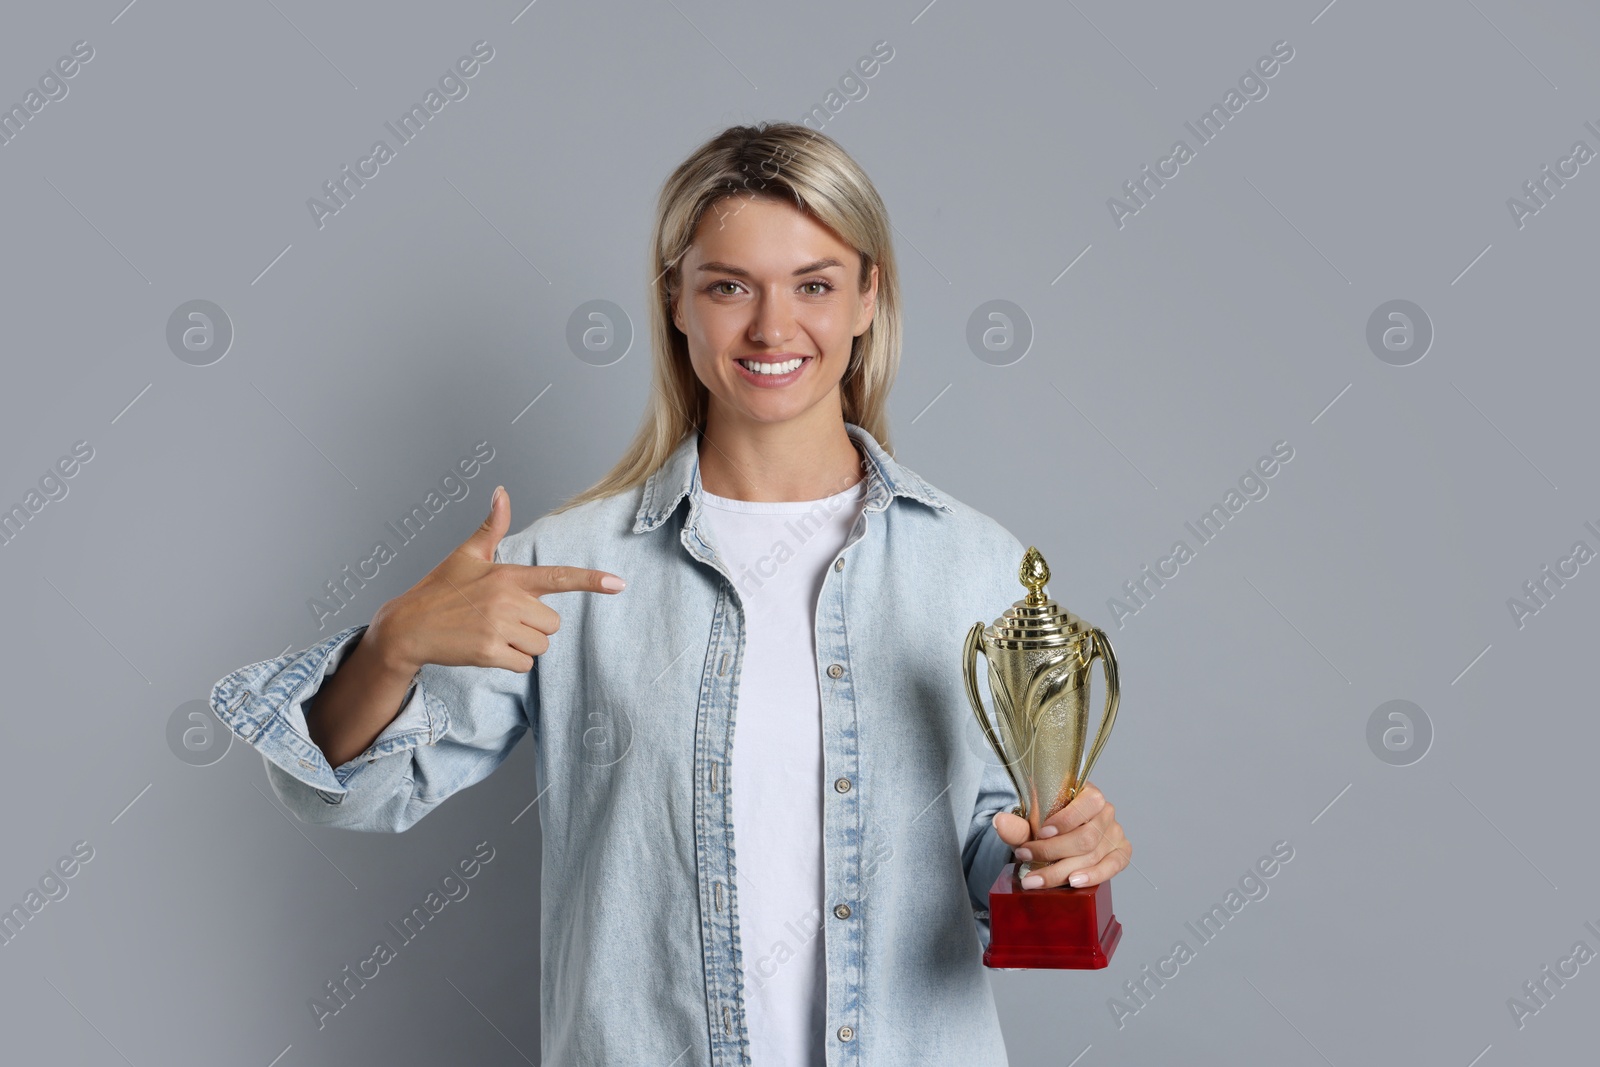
{"x": 1229, "y": 313}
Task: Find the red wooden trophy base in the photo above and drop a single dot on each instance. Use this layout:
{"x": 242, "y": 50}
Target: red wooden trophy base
{"x": 1056, "y": 927}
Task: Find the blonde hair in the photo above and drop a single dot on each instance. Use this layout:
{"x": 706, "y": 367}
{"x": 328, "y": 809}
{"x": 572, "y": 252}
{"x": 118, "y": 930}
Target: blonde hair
{"x": 778, "y": 160}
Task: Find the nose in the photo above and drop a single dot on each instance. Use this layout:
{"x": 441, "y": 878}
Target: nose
{"x": 773, "y": 321}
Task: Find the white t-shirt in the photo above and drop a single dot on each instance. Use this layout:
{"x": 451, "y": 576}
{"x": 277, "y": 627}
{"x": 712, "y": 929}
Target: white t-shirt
{"x": 778, "y": 554}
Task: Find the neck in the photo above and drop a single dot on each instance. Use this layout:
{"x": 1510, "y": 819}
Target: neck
{"x": 798, "y": 459}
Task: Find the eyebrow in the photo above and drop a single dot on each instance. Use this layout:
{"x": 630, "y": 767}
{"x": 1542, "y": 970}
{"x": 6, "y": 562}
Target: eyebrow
{"x": 740, "y": 272}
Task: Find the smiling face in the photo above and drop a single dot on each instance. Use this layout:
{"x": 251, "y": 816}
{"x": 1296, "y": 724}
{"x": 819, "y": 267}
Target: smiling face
{"x": 766, "y": 283}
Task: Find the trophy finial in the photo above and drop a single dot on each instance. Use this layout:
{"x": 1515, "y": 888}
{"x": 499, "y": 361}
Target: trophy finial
{"x": 1033, "y": 574}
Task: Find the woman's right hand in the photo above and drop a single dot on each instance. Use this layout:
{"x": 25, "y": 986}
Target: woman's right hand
{"x": 472, "y": 611}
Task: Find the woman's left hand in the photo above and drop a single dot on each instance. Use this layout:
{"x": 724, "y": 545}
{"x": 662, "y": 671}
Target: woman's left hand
{"x": 1083, "y": 839}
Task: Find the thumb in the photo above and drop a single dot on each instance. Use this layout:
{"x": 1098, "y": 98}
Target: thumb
{"x": 1013, "y": 829}
{"x": 485, "y": 538}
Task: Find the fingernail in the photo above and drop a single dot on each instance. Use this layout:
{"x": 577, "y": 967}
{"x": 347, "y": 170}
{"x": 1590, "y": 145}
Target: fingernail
{"x": 1023, "y": 854}
{"x": 1048, "y": 831}
{"x": 494, "y": 498}
{"x": 1078, "y": 878}
{"x": 612, "y": 582}
{"x": 1033, "y": 881}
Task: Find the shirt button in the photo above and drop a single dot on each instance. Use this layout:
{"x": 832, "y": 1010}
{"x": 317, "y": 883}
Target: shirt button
{"x": 842, "y": 911}
{"x": 834, "y": 670}
{"x": 838, "y": 564}
{"x": 845, "y": 1033}
{"x": 842, "y": 784}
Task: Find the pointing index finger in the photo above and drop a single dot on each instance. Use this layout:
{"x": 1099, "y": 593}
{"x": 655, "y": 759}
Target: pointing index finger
{"x": 540, "y": 580}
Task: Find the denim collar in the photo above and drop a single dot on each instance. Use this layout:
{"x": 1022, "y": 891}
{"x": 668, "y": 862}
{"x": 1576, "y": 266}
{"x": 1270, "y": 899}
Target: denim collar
{"x": 679, "y": 476}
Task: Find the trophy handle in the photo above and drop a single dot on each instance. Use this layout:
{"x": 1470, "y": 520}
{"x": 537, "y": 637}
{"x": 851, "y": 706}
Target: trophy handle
{"x": 1108, "y": 664}
{"x": 969, "y": 664}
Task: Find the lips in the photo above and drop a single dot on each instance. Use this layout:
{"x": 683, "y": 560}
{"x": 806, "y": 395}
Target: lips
{"x": 769, "y": 379}
{"x": 767, "y": 363}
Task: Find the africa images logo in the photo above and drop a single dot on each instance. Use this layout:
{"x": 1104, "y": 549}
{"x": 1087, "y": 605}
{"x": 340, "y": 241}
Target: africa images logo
{"x": 1253, "y": 486}
{"x": 452, "y": 86}
{"x": 1252, "y": 85}
{"x": 341, "y": 589}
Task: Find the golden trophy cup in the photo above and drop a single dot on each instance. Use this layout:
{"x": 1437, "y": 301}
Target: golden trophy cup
{"x": 1039, "y": 657}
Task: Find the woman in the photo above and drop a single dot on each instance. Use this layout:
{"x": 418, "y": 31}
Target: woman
{"x": 778, "y": 686}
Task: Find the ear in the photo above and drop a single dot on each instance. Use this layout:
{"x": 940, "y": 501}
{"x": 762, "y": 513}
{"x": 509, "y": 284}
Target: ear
{"x": 869, "y": 303}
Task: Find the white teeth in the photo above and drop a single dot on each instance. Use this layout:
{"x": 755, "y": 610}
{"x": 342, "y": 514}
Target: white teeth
{"x": 771, "y": 368}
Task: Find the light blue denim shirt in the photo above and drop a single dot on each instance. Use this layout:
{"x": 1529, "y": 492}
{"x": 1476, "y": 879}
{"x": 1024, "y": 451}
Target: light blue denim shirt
{"x": 632, "y": 712}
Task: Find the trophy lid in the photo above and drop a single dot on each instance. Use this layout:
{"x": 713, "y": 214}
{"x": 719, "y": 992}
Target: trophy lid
{"x": 1036, "y": 621}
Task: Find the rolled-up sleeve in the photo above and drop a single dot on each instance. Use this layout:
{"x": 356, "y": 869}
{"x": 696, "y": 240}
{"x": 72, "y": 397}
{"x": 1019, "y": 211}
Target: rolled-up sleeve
{"x": 454, "y": 727}
{"x": 983, "y": 853}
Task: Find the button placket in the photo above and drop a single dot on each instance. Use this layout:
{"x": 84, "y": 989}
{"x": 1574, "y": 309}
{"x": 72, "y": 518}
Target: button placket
{"x": 726, "y": 900}
{"x": 842, "y": 874}
{"x": 724, "y": 988}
